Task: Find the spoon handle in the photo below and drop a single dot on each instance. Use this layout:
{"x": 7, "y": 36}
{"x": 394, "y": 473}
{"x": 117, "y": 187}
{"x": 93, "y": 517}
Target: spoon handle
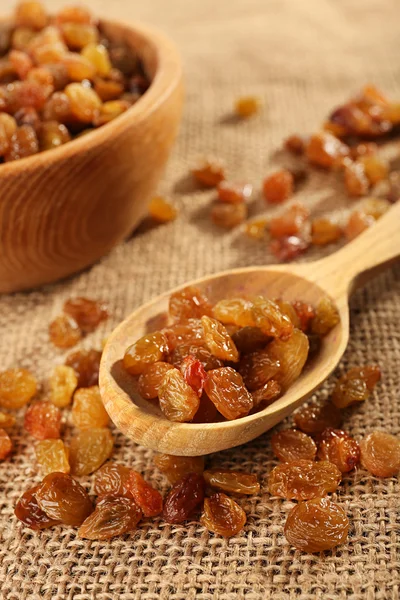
{"x": 370, "y": 252}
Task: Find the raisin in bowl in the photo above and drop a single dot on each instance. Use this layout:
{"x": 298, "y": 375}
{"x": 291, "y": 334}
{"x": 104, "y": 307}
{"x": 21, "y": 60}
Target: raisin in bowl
{"x": 62, "y": 209}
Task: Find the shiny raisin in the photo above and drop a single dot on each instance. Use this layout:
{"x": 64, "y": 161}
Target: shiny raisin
{"x": 292, "y": 355}
{"x": 355, "y": 386}
{"x": 199, "y": 352}
{"x": 162, "y": 210}
{"x": 146, "y": 497}
{"x": 151, "y": 379}
{"x": 304, "y": 479}
{"x": 7, "y": 421}
{"x": 324, "y": 150}
{"x": 111, "y": 517}
{"x": 23, "y": 143}
{"x": 233, "y": 482}
{"x": 268, "y": 317}
{"x": 380, "y": 454}
{"x": 87, "y": 313}
{"x": 227, "y": 215}
{"x": 315, "y": 418}
{"x": 264, "y": 396}
{"x": 86, "y": 365}
{"x": 62, "y": 382}
{"x": 62, "y": 498}
{"x": 176, "y": 467}
{"x": 210, "y": 172}
{"x": 88, "y": 410}
{"x": 64, "y": 332}
{"x": 183, "y": 498}
{"x": 257, "y": 368}
{"x": 358, "y": 222}
{"x": 178, "y": 401}
{"x": 84, "y": 102}
{"x": 326, "y": 317}
{"x": 17, "y": 388}
{"x": 5, "y": 444}
{"x": 289, "y": 223}
{"x": 222, "y": 515}
{"x": 186, "y": 331}
{"x": 235, "y": 311}
{"x": 291, "y": 445}
{"x": 226, "y": 389}
{"x": 52, "y": 135}
{"x": 188, "y": 303}
{"x": 29, "y": 13}
{"x": 147, "y": 350}
{"x": 305, "y": 313}
{"x": 89, "y": 449}
{"x": 113, "y": 479}
{"x": 218, "y": 340}
{"x": 234, "y": 193}
{"x": 28, "y": 511}
{"x": 278, "y": 186}
{"x": 325, "y": 231}
{"x": 339, "y": 448}
{"x": 194, "y": 374}
{"x": 43, "y": 420}
{"x": 52, "y": 456}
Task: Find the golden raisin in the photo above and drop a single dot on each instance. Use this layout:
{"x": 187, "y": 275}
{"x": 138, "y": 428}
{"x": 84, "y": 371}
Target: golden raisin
{"x": 218, "y": 340}
{"x": 304, "y": 479}
{"x": 226, "y": 389}
{"x": 52, "y": 135}
{"x": 146, "y": 497}
{"x": 111, "y": 517}
{"x": 234, "y": 193}
{"x": 228, "y": 215}
{"x": 64, "y": 332}
{"x": 325, "y": 231}
{"x": 63, "y": 499}
{"x": 86, "y": 365}
{"x": 28, "y": 511}
{"x": 52, "y": 456}
{"x": 147, "y": 350}
{"x": 161, "y": 210}
{"x": 5, "y": 444}
{"x": 79, "y": 35}
{"x": 324, "y": 150}
{"x": 355, "y": 386}
{"x": 210, "y": 172}
{"x": 30, "y": 14}
{"x": 97, "y": 54}
{"x": 339, "y": 448}
{"x": 178, "y": 401}
{"x": 268, "y": 317}
{"x": 88, "y": 410}
{"x": 233, "y": 482}
{"x": 87, "y": 313}
{"x": 222, "y": 515}
{"x": 189, "y": 303}
{"x": 176, "y": 467}
{"x": 17, "y": 388}
{"x": 247, "y": 106}
{"x": 291, "y": 445}
{"x": 43, "y": 420}
{"x": 380, "y": 454}
{"x": 84, "y": 102}
{"x": 256, "y": 229}
{"x": 151, "y": 379}
{"x": 278, "y": 186}
{"x": 326, "y": 317}
{"x": 315, "y": 418}
{"x": 375, "y": 168}
{"x": 235, "y": 311}
{"x": 266, "y": 395}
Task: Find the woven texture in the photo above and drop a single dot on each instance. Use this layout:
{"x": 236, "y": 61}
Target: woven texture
{"x": 301, "y": 58}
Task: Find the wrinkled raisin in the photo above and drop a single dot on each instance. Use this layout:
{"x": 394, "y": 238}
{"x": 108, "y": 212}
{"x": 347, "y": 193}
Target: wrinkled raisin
{"x": 250, "y": 339}
{"x": 43, "y": 420}
{"x": 233, "y": 482}
{"x": 176, "y": 467}
{"x": 355, "y": 386}
{"x": 186, "y": 331}
{"x": 113, "y": 479}
{"x": 257, "y": 369}
{"x": 88, "y": 410}
{"x": 28, "y": 511}
{"x": 146, "y": 497}
{"x": 375, "y": 168}
{"x": 315, "y": 418}
{"x": 183, "y": 498}
{"x": 178, "y": 401}
{"x": 63, "y": 382}
{"x": 199, "y": 352}
{"x": 289, "y": 223}
{"x": 23, "y": 143}
{"x": 339, "y": 448}
{"x": 79, "y": 35}
{"x": 73, "y": 14}
{"x": 89, "y": 449}
{"x": 210, "y": 172}
{"x": 355, "y": 179}
{"x": 292, "y": 355}
{"x": 287, "y": 248}
{"x": 194, "y": 374}
{"x": 227, "y": 215}
{"x": 324, "y": 149}
{"x": 64, "y": 499}
{"x": 87, "y": 313}
{"x": 295, "y": 144}
{"x": 326, "y": 317}
{"x": 17, "y": 388}
{"x": 266, "y": 395}
{"x": 52, "y": 135}
{"x": 188, "y": 303}
{"x": 291, "y": 445}
{"x": 235, "y": 311}
{"x": 234, "y": 193}
{"x": 226, "y": 389}
{"x": 303, "y": 479}
{"x": 325, "y": 231}
{"x": 278, "y": 187}
{"x": 269, "y": 318}
{"x": 84, "y": 102}
{"x": 52, "y": 456}
{"x": 64, "y": 332}
{"x": 151, "y": 379}
{"x": 380, "y": 454}
{"x": 218, "y": 340}
{"x": 5, "y": 444}
{"x": 111, "y": 517}
{"x": 86, "y": 365}
{"x": 222, "y": 515}
{"x": 147, "y": 350}
{"x": 305, "y": 312}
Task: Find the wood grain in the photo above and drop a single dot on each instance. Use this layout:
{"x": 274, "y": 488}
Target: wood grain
{"x": 63, "y": 209}
{"x": 335, "y": 275}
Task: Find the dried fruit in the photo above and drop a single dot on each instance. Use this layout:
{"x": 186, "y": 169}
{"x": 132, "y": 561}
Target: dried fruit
{"x": 199, "y": 352}
{"x": 355, "y": 179}
{"x": 250, "y": 339}
{"x": 375, "y": 207}
{"x": 304, "y": 479}
{"x": 87, "y": 313}
{"x": 97, "y": 54}
{"x": 316, "y": 525}
{"x": 151, "y": 379}
{"x": 207, "y": 412}
{"x": 146, "y": 497}
{"x": 292, "y": 355}
{"x": 324, "y": 150}
{"x": 62, "y": 498}
{"x": 64, "y": 332}
{"x": 86, "y": 365}
{"x": 28, "y": 511}
{"x": 268, "y": 317}
{"x": 73, "y": 14}
{"x": 295, "y": 144}
{"x": 111, "y": 517}
{"x": 287, "y": 248}
{"x": 227, "y": 215}
{"x": 235, "y": 311}
{"x": 218, "y": 340}
{"x": 291, "y": 445}
{"x": 52, "y": 135}
{"x": 161, "y": 210}
{"x": 7, "y": 421}
{"x": 176, "y": 467}
{"x": 305, "y": 313}
{"x": 84, "y": 102}
{"x": 184, "y": 332}
{"x": 233, "y": 482}
{"x": 355, "y": 386}
{"x": 380, "y": 454}
{"x": 326, "y": 317}
{"x": 278, "y": 187}
{"x": 30, "y": 14}
{"x": 222, "y": 515}
{"x": 358, "y": 222}
{"x": 22, "y": 144}
{"x": 183, "y": 498}
{"x": 178, "y": 401}
{"x": 147, "y": 350}
{"x": 5, "y": 444}
{"x": 375, "y": 168}
{"x": 52, "y": 456}
{"x": 88, "y": 410}
{"x": 113, "y": 479}
{"x": 247, "y": 106}
{"x": 43, "y": 420}
{"x": 17, "y": 388}
{"x": 315, "y": 418}
{"x": 210, "y": 172}
{"x": 266, "y": 395}
{"x": 189, "y": 303}
{"x": 257, "y": 369}
{"x": 325, "y": 231}
{"x": 226, "y": 389}
{"x": 290, "y": 223}
{"x": 63, "y": 382}
{"x": 256, "y": 228}
{"x": 194, "y": 374}
{"x": 339, "y": 448}
{"x": 89, "y": 449}
{"x": 234, "y": 193}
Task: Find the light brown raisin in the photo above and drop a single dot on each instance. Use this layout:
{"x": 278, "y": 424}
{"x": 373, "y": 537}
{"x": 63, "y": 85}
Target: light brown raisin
{"x": 304, "y": 479}
{"x": 380, "y": 454}
{"x": 17, "y": 388}
{"x": 292, "y": 355}
{"x": 339, "y": 448}
{"x": 296, "y": 144}
{"x": 161, "y": 210}
{"x": 89, "y": 449}
{"x": 62, "y": 498}
{"x": 247, "y": 106}
{"x": 5, "y": 444}
{"x": 358, "y": 222}
{"x": 235, "y": 311}
{"x": 326, "y": 317}
{"x": 199, "y": 352}
{"x": 375, "y": 168}
{"x": 64, "y": 332}
{"x": 264, "y": 396}
{"x": 232, "y": 482}
{"x": 315, "y": 418}
{"x": 147, "y": 350}
{"x": 257, "y": 369}
{"x": 86, "y": 365}
{"x": 151, "y": 379}
{"x": 218, "y": 340}
{"x": 29, "y": 13}
{"x": 324, "y": 149}
{"x": 222, "y": 515}
{"x": 52, "y": 456}
{"x": 269, "y": 318}
{"x": 183, "y": 498}
{"x": 88, "y": 410}
{"x": 73, "y": 14}
{"x": 176, "y": 467}
{"x": 111, "y": 517}
{"x": 43, "y": 420}
{"x": 52, "y": 135}
{"x": 210, "y": 172}
{"x": 291, "y": 445}
{"x": 256, "y": 228}
{"x": 325, "y": 231}
{"x": 28, "y": 511}
{"x": 227, "y": 215}
{"x": 84, "y": 102}
{"x": 226, "y": 389}
{"x": 187, "y": 304}
{"x": 7, "y": 421}
{"x": 87, "y": 313}
{"x": 23, "y": 143}
{"x": 146, "y": 497}
{"x": 278, "y": 186}
{"x": 194, "y": 374}
{"x": 178, "y": 401}
{"x": 186, "y": 331}
{"x": 250, "y": 339}
{"x": 63, "y": 382}
{"x": 289, "y": 223}
{"x": 355, "y": 386}
{"x": 234, "y": 193}
{"x": 79, "y": 35}
{"x": 113, "y": 479}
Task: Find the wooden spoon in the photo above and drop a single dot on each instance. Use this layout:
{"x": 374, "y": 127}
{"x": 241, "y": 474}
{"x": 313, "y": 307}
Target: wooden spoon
{"x": 337, "y": 275}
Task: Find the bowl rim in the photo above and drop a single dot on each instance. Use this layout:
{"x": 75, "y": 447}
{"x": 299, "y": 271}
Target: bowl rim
{"x": 167, "y": 78}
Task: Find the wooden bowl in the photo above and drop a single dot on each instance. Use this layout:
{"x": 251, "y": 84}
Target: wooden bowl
{"x": 63, "y": 209}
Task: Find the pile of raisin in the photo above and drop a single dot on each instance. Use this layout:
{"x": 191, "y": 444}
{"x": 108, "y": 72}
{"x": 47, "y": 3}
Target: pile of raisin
{"x": 61, "y": 77}
{"x": 80, "y": 316}
{"x": 225, "y": 361}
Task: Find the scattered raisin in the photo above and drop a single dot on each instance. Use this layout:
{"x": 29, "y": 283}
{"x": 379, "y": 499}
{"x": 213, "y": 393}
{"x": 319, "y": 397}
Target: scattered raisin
{"x": 222, "y": 515}
{"x": 303, "y": 479}
{"x": 358, "y": 222}
{"x": 233, "y": 482}
{"x": 43, "y": 420}
{"x": 17, "y": 388}
{"x": 62, "y": 498}
{"x": 210, "y": 172}
{"x": 161, "y": 210}
{"x": 295, "y": 144}
{"x": 226, "y": 389}
{"x": 355, "y": 179}
{"x": 5, "y": 444}
{"x": 315, "y": 418}
{"x": 256, "y": 228}
{"x": 183, "y": 498}
{"x": 278, "y": 187}
{"x": 324, "y": 149}
{"x": 355, "y": 386}
{"x": 234, "y": 193}
{"x": 380, "y": 454}
{"x": 111, "y": 517}
{"x": 63, "y": 382}
{"x": 87, "y": 313}
{"x": 28, "y": 511}
{"x": 52, "y": 456}
{"x": 64, "y": 332}
{"x": 339, "y": 448}
{"x": 86, "y": 365}
{"x": 89, "y": 449}
{"x": 88, "y": 410}
{"x": 291, "y": 445}
{"x": 290, "y": 223}
{"x": 228, "y": 215}
{"x": 176, "y": 467}
{"x": 325, "y": 231}
{"x": 247, "y": 106}
{"x": 146, "y": 497}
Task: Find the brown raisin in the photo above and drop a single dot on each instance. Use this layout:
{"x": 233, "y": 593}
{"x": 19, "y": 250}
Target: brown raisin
{"x": 28, "y": 511}
{"x": 17, "y": 388}
{"x": 186, "y": 331}
{"x": 64, "y": 332}
{"x": 257, "y": 369}
{"x": 291, "y": 445}
{"x": 43, "y": 420}
{"x": 355, "y": 179}
{"x": 222, "y": 515}
{"x": 146, "y": 497}
{"x": 210, "y": 172}
{"x": 161, "y": 210}
{"x": 264, "y": 396}
{"x": 227, "y": 215}
{"x": 151, "y": 379}
{"x": 7, "y": 421}
{"x": 113, "y": 479}
{"x": 289, "y": 223}
{"x": 218, "y": 340}
{"x": 64, "y": 499}
{"x": 194, "y": 374}
{"x": 339, "y": 448}
{"x": 88, "y": 410}
{"x": 183, "y": 498}
{"x": 250, "y": 339}
{"x": 287, "y": 248}
{"x": 234, "y": 193}
{"x": 315, "y": 418}
{"x": 316, "y": 525}
{"x": 30, "y": 14}
{"x": 324, "y": 149}
{"x": 304, "y": 479}
{"x": 380, "y": 454}
{"x": 326, "y": 317}
{"x": 355, "y": 386}
{"x": 247, "y": 106}
{"x": 52, "y": 456}
{"x": 89, "y": 449}
{"x": 111, "y": 517}
{"x": 235, "y": 311}
{"x": 63, "y": 382}
{"x": 358, "y": 222}
{"x": 52, "y": 135}
{"x": 207, "y": 412}
{"x": 233, "y": 482}
{"x": 295, "y": 144}
{"x": 278, "y": 186}
{"x": 292, "y": 355}
{"x": 226, "y": 389}
{"x": 325, "y": 231}
{"x": 87, "y": 313}
{"x": 178, "y": 401}
{"x": 147, "y": 350}
{"x": 199, "y": 352}
{"x": 176, "y": 467}
{"x": 23, "y": 143}
{"x": 86, "y": 365}
{"x": 5, "y": 444}
{"x": 269, "y": 318}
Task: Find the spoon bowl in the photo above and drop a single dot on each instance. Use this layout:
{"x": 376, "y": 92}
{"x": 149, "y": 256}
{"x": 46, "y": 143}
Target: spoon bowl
{"x": 335, "y": 276}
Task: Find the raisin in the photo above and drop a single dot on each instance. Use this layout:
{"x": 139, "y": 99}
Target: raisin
{"x": 222, "y": 515}
{"x": 176, "y": 467}
{"x": 74, "y": 14}
{"x": 291, "y": 445}
{"x": 289, "y": 223}
{"x": 161, "y": 210}
{"x": 84, "y": 102}
{"x": 97, "y": 54}
{"x": 325, "y": 231}
{"x": 209, "y": 173}
{"x": 89, "y": 449}
{"x": 339, "y": 448}
{"x": 123, "y": 59}
{"x": 288, "y": 248}
{"x": 375, "y": 168}
{"x": 59, "y": 75}
{"x": 355, "y": 179}
{"x": 227, "y": 215}
{"x": 52, "y": 135}
{"x": 278, "y": 187}
{"x": 88, "y": 410}
{"x": 151, "y": 379}
{"x": 30, "y": 14}
{"x": 363, "y": 149}
{"x": 186, "y": 331}
{"x": 234, "y": 193}
{"x": 52, "y": 456}
{"x": 375, "y": 207}
{"x": 23, "y": 143}
{"x": 64, "y": 499}
{"x": 17, "y": 388}
{"x": 146, "y": 497}
{"x": 218, "y": 340}
{"x": 147, "y": 350}
{"x": 305, "y": 313}
{"x": 206, "y": 413}
{"x": 380, "y": 454}
{"x": 315, "y": 418}
{"x": 113, "y": 479}
{"x": 58, "y": 108}
{"x": 178, "y": 401}
{"x": 21, "y": 63}
{"x": 292, "y": 355}
{"x": 86, "y": 365}
{"x": 194, "y": 374}
{"x": 183, "y": 498}
{"x": 188, "y": 303}
{"x": 28, "y": 116}
{"x": 64, "y": 332}
{"x": 8, "y": 127}
{"x": 326, "y": 317}
{"x": 43, "y": 420}
{"x": 63, "y": 382}
{"x": 358, "y": 222}
{"x": 198, "y": 352}
{"x": 235, "y": 311}
{"x": 355, "y": 386}
{"x": 87, "y": 313}
{"x": 303, "y": 479}
{"x": 110, "y": 111}
{"x": 295, "y": 144}
{"x": 7, "y": 421}
{"x": 250, "y": 339}
{"x": 256, "y": 228}
{"x": 316, "y": 525}
{"x": 22, "y": 37}
{"x": 28, "y": 511}
{"x": 79, "y": 35}
{"x": 288, "y": 310}
{"x": 226, "y": 389}
{"x": 257, "y": 369}
{"x": 233, "y": 482}
{"x": 268, "y": 317}
{"x": 5, "y": 444}
{"x": 111, "y": 517}
{"x": 108, "y": 90}
{"x": 324, "y": 149}
{"x": 264, "y": 396}
{"x": 5, "y": 38}
{"x": 247, "y": 106}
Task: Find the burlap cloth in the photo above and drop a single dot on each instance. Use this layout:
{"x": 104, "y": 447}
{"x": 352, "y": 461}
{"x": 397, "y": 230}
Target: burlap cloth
{"x": 302, "y": 57}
